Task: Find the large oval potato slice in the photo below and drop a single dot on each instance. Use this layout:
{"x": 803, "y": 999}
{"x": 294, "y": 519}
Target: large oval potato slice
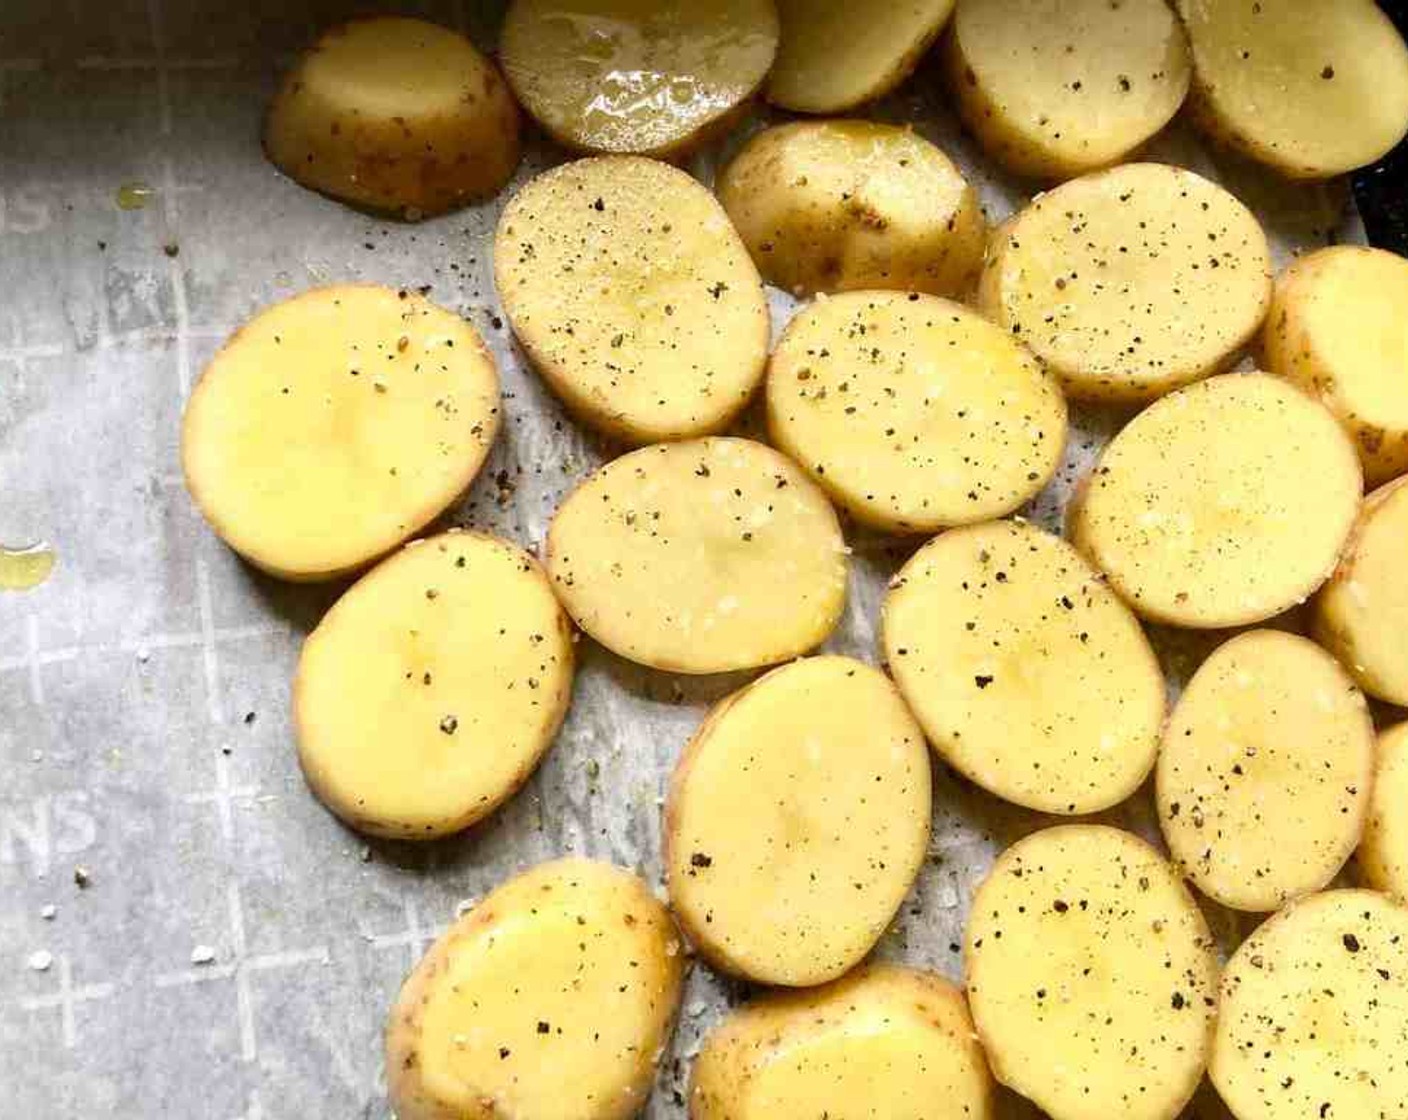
{"x": 1383, "y": 853}
{"x": 881, "y": 1042}
{"x": 1055, "y": 88}
{"x": 1312, "y": 87}
{"x": 550, "y": 1000}
{"x": 1314, "y": 1019}
{"x": 634, "y": 297}
{"x": 830, "y": 206}
{"x": 1265, "y": 771}
{"x": 1131, "y": 282}
{"x": 652, "y": 77}
{"x": 829, "y": 771}
{"x": 1361, "y": 615}
{"x": 913, "y": 412}
{"x": 1221, "y": 505}
{"x": 1027, "y": 672}
{"x": 1092, "y": 976}
{"x": 700, "y": 557}
{"x": 1337, "y": 326}
{"x": 429, "y": 692}
{"x": 334, "y": 425}
{"x": 395, "y": 114}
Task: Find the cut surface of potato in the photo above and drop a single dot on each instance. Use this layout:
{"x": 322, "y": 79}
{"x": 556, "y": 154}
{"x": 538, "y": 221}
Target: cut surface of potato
{"x": 1361, "y": 615}
{"x": 1314, "y": 1015}
{"x": 1028, "y": 674}
{"x": 429, "y": 692}
{"x": 1055, "y": 88}
{"x": 1312, "y": 87}
{"x": 1265, "y": 771}
{"x": 829, "y": 206}
{"x": 1221, "y": 505}
{"x": 551, "y": 998}
{"x": 1131, "y": 282}
{"x": 334, "y": 425}
{"x": 913, "y": 412}
{"x": 1092, "y": 976}
{"x": 395, "y": 114}
{"x": 881, "y": 1042}
{"x": 836, "y": 55}
{"x": 1337, "y": 326}
{"x": 797, "y": 819}
{"x": 1383, "y": 853}
{"x": 634, "y": 297}
{"x": 645, "y": 76}
{"x": 700, "y": 557}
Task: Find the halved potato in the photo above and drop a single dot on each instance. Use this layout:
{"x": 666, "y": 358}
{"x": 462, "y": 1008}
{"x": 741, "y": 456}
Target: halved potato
{"x": 653, "y": 77}
{"x": 912, "y": 412}
{"x": 1337, "y": 326}
{"x": 1221, "y": 505}
{"x": 1131, "y": 282}
{"x": 1056, "y": 88}
{"x": 429, "y": 692}
{"x": 700, "y": 557}
{"x": 825, "y": 764}
{"x": 395, "y": 114}
{"x": 836, "y": 55}
{"x": 1361, "y": 615}
{"x": 634, "y": 297}
{"x": 1092, "y": 976}
{"x": 553, "y": 997}
{"x": 1314, "y": 1018}
{"x": 1312, "y": 87}
{"x": 829, "y": 206}
{"x": 1265, "y": 771}
{"x": 881, "y": 1042}
{"x": 1028, "y": 673}
{"x": 1383, "y": 853}
{"x": 334, "y": 425}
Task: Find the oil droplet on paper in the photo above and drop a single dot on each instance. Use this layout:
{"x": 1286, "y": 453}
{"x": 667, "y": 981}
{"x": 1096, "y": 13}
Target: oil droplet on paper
{"x": 134, "y": 196}
{"x": 22, "y": 569}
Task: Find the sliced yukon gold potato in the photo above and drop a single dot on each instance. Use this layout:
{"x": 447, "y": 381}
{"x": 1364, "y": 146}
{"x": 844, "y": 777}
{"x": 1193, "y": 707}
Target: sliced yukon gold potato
{"x": 1314, "y": 1016}
{"x": 1028, "y": 673}
{"x": 395, "y": 114}
{"x": 829, "y": 206}
{"x": 336, "y": 424}
{"x": 700, "y": 557}
{"x": 550, "y": 1000}
{"x": 654, "y": 77}
{"x": 881, "y": 1042}
{"x": 634, "y": 297}
{"x": 429, "y": 692}
{"x": 1312, "y": 87}
{"x": 836, "y": 55}
{"x": 1338, "y": 327}
{"x": 912, "y": 412}
{"x": 1361, "y": 615}
{"x": 1221, "y": 505}
{"x": 1383, "y": 853}
{"x": 797, "y": 819}
{"x": 1265, "y": 771}
{"x": 1130, "y": 282}
{"x": 1092, "y": 976}
{"x": 1055, "y": 88}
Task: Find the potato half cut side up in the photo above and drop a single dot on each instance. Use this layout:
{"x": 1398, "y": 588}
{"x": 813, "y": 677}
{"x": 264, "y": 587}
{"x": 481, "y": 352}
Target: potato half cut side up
{"x": 1383, "y": 853}
{"x": 552, "y": 998}
{"x": 333, "y": 426}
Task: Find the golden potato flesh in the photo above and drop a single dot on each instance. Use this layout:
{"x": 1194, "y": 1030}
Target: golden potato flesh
{"x": 1383, "y": 853}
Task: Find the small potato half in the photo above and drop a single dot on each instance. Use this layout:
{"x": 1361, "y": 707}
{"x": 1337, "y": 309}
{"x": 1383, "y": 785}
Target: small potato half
{"x": 1383, "y": 853}
{"x": 881, "y": 1042}
{"x": 551, "y": 999}
{"x": 797, "y": 819}
{"x": 1314, "y": 88}
{"x": 1056, "y": 88}
{"x": 829, "y": 206}
{"x": 395, "y": 114}
{"x": 1314, "y": 1016}
{"x": 1092, "y": 976}
{"x": 1265, "y": 771}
